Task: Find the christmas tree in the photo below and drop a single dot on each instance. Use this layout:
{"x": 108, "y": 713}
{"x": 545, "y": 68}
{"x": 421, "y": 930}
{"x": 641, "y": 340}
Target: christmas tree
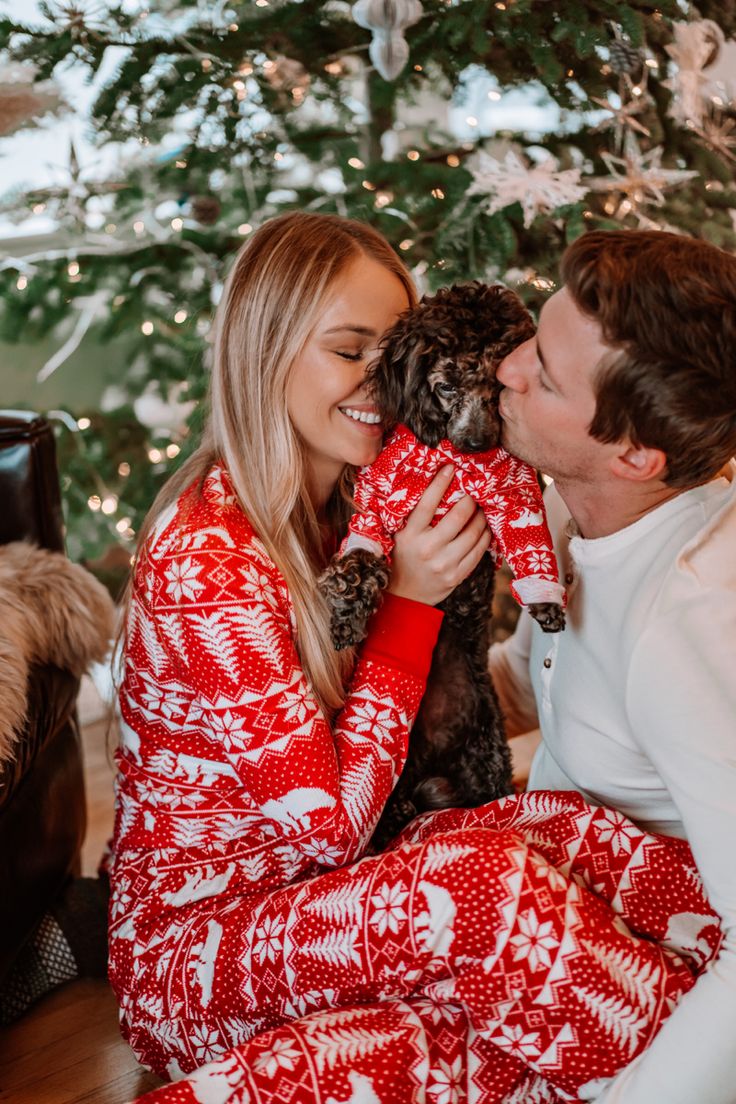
{"x": 243, "y": 110}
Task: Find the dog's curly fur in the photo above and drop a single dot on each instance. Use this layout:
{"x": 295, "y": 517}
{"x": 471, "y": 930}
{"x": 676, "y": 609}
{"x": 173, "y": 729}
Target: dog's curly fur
{"x": 51, "y": 611}
{"x": 437, "y": 375}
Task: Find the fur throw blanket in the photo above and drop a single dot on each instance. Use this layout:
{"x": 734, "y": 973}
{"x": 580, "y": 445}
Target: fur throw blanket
{"x": 51, "y": 611}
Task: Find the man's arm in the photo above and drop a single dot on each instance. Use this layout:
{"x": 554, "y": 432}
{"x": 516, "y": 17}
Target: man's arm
{"x": 682, "y": 703}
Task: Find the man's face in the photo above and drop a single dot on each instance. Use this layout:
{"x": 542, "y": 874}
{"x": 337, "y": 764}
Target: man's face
{"x": 547, "y": 402}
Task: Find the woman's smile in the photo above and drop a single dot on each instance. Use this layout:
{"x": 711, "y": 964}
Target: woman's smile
{"x": 366, "y": 419}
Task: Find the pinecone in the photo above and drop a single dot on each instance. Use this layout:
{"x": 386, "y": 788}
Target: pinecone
{"x": 624, "y": 57}
{"x": 206, "y": 209}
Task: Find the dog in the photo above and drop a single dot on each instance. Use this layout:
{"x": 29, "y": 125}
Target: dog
{"x": 435, "y": 387}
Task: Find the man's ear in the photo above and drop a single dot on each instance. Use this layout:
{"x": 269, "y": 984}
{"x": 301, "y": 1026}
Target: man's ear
{"x": 638, "y": 463}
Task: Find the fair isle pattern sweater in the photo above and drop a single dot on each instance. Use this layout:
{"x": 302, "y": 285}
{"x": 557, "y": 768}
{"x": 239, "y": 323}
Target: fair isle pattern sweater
{"x": 503, "y": 486}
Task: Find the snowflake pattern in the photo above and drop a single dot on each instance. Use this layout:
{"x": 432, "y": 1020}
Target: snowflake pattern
{"x": 513, "y": 1038}
{"x": 268, "y": 942}
{"x": 446, "y": 1082}
{"x": 614, "y": 828}
{"x": 181, "y": 579}
{"x": 534, "y": 941}
{"x": 388, "y": 910}
{"x": 282, "y": 1055}
{"x": 206, "y": 1042}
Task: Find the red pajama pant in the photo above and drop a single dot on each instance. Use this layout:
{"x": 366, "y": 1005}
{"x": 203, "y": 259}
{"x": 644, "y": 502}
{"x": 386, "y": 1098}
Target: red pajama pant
{"x": 501, "y": 955}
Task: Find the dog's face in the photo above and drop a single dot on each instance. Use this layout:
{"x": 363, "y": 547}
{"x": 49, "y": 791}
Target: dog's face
{"x": 437, "y": 369}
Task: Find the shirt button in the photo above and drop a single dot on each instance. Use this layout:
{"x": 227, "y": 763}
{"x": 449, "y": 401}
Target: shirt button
{"x": 547, "y": 663}
{"x": 569, "y": 578}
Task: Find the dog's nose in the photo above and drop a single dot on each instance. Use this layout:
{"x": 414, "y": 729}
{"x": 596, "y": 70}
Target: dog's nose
{"x": 477, "y": 444}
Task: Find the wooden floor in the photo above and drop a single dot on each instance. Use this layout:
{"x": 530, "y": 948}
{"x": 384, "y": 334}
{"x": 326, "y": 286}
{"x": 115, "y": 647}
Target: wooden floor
{"x": 68, "y": 1049}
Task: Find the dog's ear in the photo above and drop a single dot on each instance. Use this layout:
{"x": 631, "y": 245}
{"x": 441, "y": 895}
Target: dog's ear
{"x": 398, "y": 380}
{"x": 385, "y": 377}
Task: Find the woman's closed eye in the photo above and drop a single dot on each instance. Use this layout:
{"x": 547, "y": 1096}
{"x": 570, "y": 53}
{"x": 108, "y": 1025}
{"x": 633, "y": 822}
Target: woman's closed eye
{"x": 352, "y": 356}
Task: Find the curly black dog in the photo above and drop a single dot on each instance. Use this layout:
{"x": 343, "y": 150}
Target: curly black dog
{"x": 436, "y": 376}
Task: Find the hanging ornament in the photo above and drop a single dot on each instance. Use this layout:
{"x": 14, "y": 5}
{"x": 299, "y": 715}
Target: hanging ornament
{"x": 206, "y": 209}
{"x": 389, "y": 50}
{"x": 718, "y": 133}
{"x": 22, "y": 101}
{"x": 639, "y": 177}
{"x": 538, "y": 188}
{"x": 624, "y": 59}
{"x": 163, "y": 413}
{"x": 696, "y": 46}
{"x": 622, "y": 119}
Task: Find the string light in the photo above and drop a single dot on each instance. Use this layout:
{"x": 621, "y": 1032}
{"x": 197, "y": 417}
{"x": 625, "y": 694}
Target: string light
{"x": 172, "y": 450}
{"x": 181, "y": 164}
{"x": 138, "y": 226}
{"x": 355, "y": 163}
{"x": 110, "y": 228}
{"x": 180, "y": 316}
{"x": 109, "y": 504}
{"x": 413, "y": 155}
{"x": 494, "y": 95}
{"x": 122, "y": 525}
{"x": 38, "y": 208}
{"x": 244, "y": 228}
{"x": 177, "y": 223}
{"x": 334, "y": 68}
{"x": 83, "y": 423}
{"x": 438, "y": 193}
{"x": 94, "y": 502}
{"x": 471, "y": 121}
{"x": 407, "y": 243}
{"x": 155, "y": 455}
{"x": 124, "y": 469}
{"x": 453, "y": 160}
{"x": 147, "y": 328}
{"x": 206, "y": 64}
{"x": 73, "y": 268}
{"x": 21, "y": 283}
{"x": 368, "y": 186}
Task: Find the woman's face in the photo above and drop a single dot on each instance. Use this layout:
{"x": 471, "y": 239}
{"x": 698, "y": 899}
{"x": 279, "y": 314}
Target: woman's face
{"x": 325, "y": 395}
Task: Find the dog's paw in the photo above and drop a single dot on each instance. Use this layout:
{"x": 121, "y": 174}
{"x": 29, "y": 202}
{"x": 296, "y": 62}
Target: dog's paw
{"x": 549, "y": 616}
{"x": 352, "y": 586}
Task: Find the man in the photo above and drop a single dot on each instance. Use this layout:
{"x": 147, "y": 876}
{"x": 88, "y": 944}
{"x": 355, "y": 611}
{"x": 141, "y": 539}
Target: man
{"x": 627, "y": 399}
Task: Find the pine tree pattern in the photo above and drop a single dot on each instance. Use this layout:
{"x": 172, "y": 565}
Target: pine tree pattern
{"x": 259, "y": 953}
{"x": 504, "y": 487}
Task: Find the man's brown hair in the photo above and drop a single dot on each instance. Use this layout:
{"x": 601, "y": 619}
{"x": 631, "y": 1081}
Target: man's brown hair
{"x": 668, "y": 303}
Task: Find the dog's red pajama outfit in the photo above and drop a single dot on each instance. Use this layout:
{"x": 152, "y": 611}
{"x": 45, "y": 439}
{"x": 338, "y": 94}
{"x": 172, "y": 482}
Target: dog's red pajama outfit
{"x": 483, "y": 957}
{"x": 504, "y": 487}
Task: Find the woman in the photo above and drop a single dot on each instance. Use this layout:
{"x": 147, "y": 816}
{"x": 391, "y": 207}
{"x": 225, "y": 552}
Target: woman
{"x": 248, "y": 936}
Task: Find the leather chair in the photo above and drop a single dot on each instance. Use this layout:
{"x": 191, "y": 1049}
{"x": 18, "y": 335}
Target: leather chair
{"x": 42, "y": 799}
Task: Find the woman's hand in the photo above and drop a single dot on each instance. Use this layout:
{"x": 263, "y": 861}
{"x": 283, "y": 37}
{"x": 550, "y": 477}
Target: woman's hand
{"x": 429, "y": 561}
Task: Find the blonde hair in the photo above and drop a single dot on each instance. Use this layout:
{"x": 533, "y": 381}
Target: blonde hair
{"x": 276, "y": 290}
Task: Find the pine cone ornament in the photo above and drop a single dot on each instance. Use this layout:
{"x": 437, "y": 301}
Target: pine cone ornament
{"x": 625, "y": 59}
{"x": 206, "y": 209}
